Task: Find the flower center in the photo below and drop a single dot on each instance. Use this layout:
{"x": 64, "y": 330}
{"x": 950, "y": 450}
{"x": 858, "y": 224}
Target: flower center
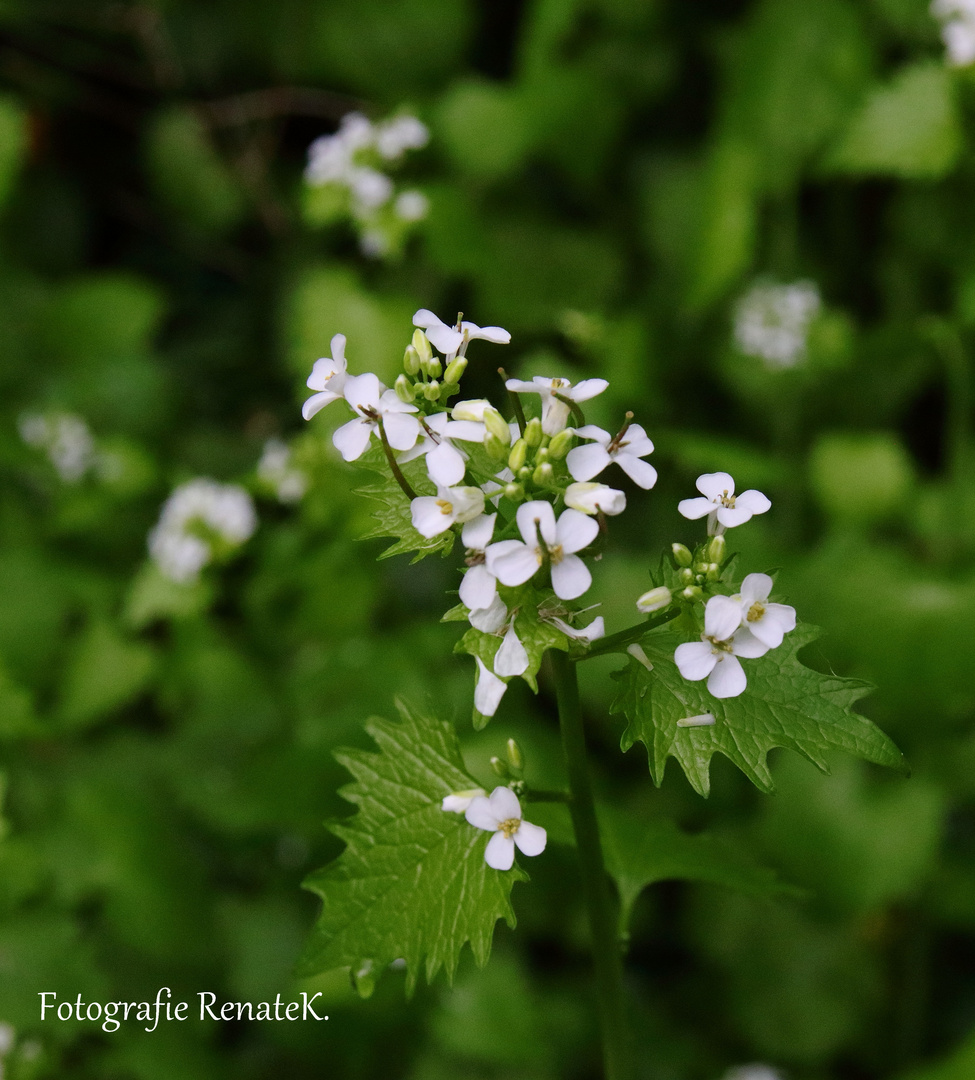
{"x": 755, "y": 612}
{"x": 556, "y": 554}
{"x": 718, "y": 646}
{"x": 446, "y": 508}
{"x": 509, "y": 827}
{"x": 475, "y": 558}
{"x": 726, "y": 500}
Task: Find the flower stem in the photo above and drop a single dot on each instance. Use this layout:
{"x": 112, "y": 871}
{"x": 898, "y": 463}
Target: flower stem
{"x": 617, "y": 1057}
{"x": 515, "y": 403}
{"x": 618, "y": 642}
{"x": 393, "y": 465}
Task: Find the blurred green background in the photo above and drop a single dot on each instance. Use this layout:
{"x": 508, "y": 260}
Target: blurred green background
{"x": 608, "y": 179}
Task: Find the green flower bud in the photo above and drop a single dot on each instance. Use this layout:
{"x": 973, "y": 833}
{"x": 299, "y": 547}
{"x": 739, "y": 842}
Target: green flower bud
{"x": 516, "y": 459}
{"x": 692, "y": 594}
{"x": 682, "y": 554}
{"x": 431, "y": 391}
{"x": 422, "y": 345}
{"x": 404, "y": 389}
{"x": 533, "y": 432}
{"x": 432, "y": 367}
{"x": 686, "y": 575}
{"x": 514, "y": 492}
{"x": 411, "y": 361}
{"x": 717, "y": 549}
{"x": 560, "y": 445}
{"x": 496, "y": 449}
{"x": 496, "y": 424}
{"x": 500, "y": 767}
{"x": 525, "y": 473}
{"x": 714, "y": 572}
{"x": 515, "y": 759}
{"x": 700, "y": 568}
{"x": 654, "y": 600}
{"x": 541, "y": 455}
{"x": 455, "y": 369}
{"x": 544, "y": 475}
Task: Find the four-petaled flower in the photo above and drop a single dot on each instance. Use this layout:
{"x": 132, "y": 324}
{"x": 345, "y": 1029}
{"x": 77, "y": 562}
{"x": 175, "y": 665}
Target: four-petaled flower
{"x": 545, "y": 541}
{"x": 374, "y": 405}
{"x": 768, "y": 622}
{"x": 328, "y": 377}
{"x": 723, "y": 507}
{"x": 556, "y": 395}
{"x": 434, "y": 514}
{"x": 627, "y": 449}
{"x": 500, "y": 813}
{"x": 449, "y": 339}
{"x": 715, "y": 656}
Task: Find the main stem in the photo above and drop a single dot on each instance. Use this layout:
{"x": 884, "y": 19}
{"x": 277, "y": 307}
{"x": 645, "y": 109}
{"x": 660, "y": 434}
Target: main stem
{"x": 610, "y": 1001}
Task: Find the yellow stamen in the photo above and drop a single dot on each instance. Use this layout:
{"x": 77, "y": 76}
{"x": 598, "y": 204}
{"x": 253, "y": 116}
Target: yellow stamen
{"x": 446, "y": 508}
{"x": 509, "y": 827}
{"x": 755, "y": 612}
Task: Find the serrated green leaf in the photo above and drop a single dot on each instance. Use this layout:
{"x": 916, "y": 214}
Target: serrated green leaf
{"x": 785, "y": 704}
{"x": 640, "y": 853}
{"x": 412, "y": 882}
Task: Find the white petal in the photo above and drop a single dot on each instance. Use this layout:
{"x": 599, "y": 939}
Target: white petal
{"x": 768, "y": 632}
{"x": 754, "y": 501}
{"x": 479, "y": 588}
{"x": 338, "y": 350}
{"x": 746, "y": 644}
{"x": 590, "y": 498}
{"x": 591, "y": 431}
{"x": 730, "y": 516}
{"x": 472, "y": 410}
{"x": 520, "y": 386}
{"x": 722, "y": 617}
{"x": 575, "y": 531}
{"x": 585, "y": 462}
{"x": 511, "y": 658}
{"x": 477, "y": 533}
{"x": 466, "y": 430}
{"x": 428, "y": 516}
{"x": 490, "y": 619}
{"x": 530, "y": 512}
{"x": 636, "y": 442}
{"x": 587, "y": 389}
{"x": 322, "y": 372}
{"x": 555, "y": 415}
{"x": 695, "y": 508}
{"x": 457, "y": 802}
{"x": 695, "y": 659}
{"x": 642, "y": 473}
{"x": 351, "y": 439}
{"x": 756, "y": 587}
{"x": 531, "y": 839}
{"x": 728, "y": 678}
{"x": 504, "y": 803}
{"x": 468, "y": 502}
{"x": 784, "y": 615}
{"x": 480, "y": 814}
{"x": 402, "y": 429}
{"x": 363, "y": 391}
{"x": 516, "y": 565}
{"x": 317, "y": 402}
{"x": 489, "y": 690}
{"x": 714, "y": 485}
{"x": 446, "y": 465}
{"x": 495, "y": 334}
{"x": 503, "y": 547}
{"x": 571, "y": 577}
{"x": 500, "y": 852}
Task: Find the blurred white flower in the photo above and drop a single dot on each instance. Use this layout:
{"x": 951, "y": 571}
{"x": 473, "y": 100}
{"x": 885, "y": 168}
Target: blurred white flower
{"x": 772, "y": 321}
{"x": 197, "y": 518}
{"x": 65, "y": 439}
{"x": 277, "y": 471}
{"x": 453, "y": 339}
{"x": 957, "y": 18}
{"x": 399, "y": 134}
{"x": 411, "y": 205}
{"x": 328, "y": 377}
{"x": 755, "y": 1071}
{"x": 500, "y": 813}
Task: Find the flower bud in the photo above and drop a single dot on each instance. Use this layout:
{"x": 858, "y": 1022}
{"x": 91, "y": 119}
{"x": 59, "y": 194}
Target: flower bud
{"x": 404, "y": 389}
{"x": 717, "y": 548}
{"x": 714, "y": 572}
{"x": 411, "y": 361}
{"x": 541, "y": 455}
{"x": 525, "y": 473}
{"x": 422, "y": 345}
{"x": 561, "y": 444}
{"x": 496, "y": 424}
{"x": 543, "y": 475}
{"x": 454, "y": 370}
{"x": 514, "y": 492}
{"x": 431, "y": 391}
{"x": 432, "y": 367}
{"x": 516, "y": 459}
{"x": 533, "y": 432}
{"x": 515, "y": 758}
{"x": 700, "y": 568}
{"x": 692, "y": 594}
{"x": 686, "y": 575}
{"x": 496, "y": 449}
{"x": 654, "y": 600}
{"x": 682, "y": 554}
{"x": 589, "y": 498}
{"x": 500, "y": 767}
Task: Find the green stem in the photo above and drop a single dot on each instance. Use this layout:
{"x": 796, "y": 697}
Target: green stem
{"x": 610, "y": 1001}
{"x": 618, "y": 642}
{"x": 394, "y": 465}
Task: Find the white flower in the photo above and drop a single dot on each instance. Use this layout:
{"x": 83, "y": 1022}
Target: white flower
{"x": 724, "y": 509}
{"x": 755, "y": 1071}
{"x": 197, "y": 515}
{"x": 446, "y": 465}
{"x": 434, "y": 514}
{"x": 772, "y": 321}
{"x": 593, "y": 498}
{"x": 65, "y": 439}
{"x": 374, "y": 243}
{"x": 715, "y": 656}
{"x": 768, "y": 622}
{"x": 411, "y": 206}
{"x": 586, "y": 634}
{"x": 399, "y": 134}
{"x": 328, "y": 377}
{"x": 489, "y": 690}
{"x": 449, "y": 339}
{"x": 367, "y": 397}
{"x": 513, "y": 562}
{"x": 479, "y": 587}
{"x": 8, "y": 1036}
{"x": 957, "y": 30}
{"x": 458, "y": 801}
{"x": 370, "y": 189}
{"x": 627, "y": 449}
{"x": 276, "y": 470}
{"x": 501, "y": 814}
{"x": 555, "y": 412}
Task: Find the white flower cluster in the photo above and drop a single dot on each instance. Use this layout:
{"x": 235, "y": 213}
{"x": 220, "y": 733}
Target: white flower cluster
{"x": 353, "y": 162}
{"x": 772, "y": 321}
{"x": 754, "y": 1071}
{"x": 277, "y": 471}
{"x": 957, "y": 18}
{"x": 65, "y": 439}
{"x": 535, "y": 467}
{"x": 200, "y": 521}
{"x": 744, "y": 625}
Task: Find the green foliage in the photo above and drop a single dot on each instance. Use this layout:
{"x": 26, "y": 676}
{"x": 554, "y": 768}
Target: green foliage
{"x": 412, "y": 882}
{"x": 13, "y": 138}
{"x": 861, "y": 478}
{"x": 785, "y": 704}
